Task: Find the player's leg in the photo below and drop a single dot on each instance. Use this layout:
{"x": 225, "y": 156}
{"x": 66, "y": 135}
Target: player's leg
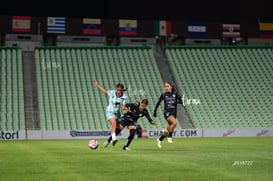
{"x": 118, "y": 130}
{"x": 164, "y": 132}
{"x": 106, "y": 143}
{"x": 132, "y": 131}
{"x": 159, "y": 140}
{"x": 120, "y": 125}
{"x": 113, "y": 121}
{"x": 171, "y": 126}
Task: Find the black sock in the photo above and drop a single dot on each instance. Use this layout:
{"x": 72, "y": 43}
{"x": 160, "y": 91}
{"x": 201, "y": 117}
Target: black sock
{"x": 170, "y": 135}
{"x": 118, "y": 131}
{"x": 109, "y": 139}
{"x": 161, "y": 138}
{"x": 130, "y": 137}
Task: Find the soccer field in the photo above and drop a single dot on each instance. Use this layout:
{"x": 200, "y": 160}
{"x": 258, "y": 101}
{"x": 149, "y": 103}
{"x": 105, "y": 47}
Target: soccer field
{"x": 228, "y": 159}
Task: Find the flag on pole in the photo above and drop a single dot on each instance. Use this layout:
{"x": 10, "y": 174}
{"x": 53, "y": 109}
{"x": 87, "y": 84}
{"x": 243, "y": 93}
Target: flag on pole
{"x": 266, "y": 30}
{"x": 197, "y": 29}
{"x": 56, "y": 25}
{"x": 20, "y": 23}
{"x": 231, "y": 30}
{"x": 128, "y": 27}
{"x": 162, "y": 28}
{"x": 91, "y": 26}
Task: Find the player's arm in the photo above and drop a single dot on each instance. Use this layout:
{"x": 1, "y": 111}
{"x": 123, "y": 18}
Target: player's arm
{"x": 126, "y": 107}
{"x": 179, "y": 99}
{"x": 147, "y": 115}
{"x": 100, "y": 87}
{"x": 157, "y": 104}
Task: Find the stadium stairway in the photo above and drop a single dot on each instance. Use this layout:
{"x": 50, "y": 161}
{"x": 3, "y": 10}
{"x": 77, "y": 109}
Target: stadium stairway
{"x": 183, "y": 116}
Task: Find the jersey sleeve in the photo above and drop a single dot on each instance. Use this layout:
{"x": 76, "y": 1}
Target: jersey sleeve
{"x": 130, "y": 105}
{"x": 158, "y": 103}
{"x": 124, "y": 97}
{"x": 148, "y": 116}
{"x": 110, "y": 92}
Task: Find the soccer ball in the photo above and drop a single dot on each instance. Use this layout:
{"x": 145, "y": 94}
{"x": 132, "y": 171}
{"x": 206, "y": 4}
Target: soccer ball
{"x": 93, "y": 144}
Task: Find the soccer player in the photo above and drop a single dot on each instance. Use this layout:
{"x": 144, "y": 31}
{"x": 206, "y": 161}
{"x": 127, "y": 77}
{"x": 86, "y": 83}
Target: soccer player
{"x": 117, "y": 100}
{"x": 129, "y": 119}
{"x": 171, "y": 99}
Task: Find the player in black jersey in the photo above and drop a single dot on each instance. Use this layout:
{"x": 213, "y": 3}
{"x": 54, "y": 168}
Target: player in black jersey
{"x": 129, "y": 120}
{"x": 171, "y": 99}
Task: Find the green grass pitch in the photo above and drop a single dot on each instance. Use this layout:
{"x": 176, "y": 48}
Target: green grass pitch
{"x": 249, "y": 158}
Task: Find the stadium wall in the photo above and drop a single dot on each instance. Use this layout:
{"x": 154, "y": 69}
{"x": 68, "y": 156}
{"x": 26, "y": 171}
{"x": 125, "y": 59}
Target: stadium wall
{"x": 87, "y": 134}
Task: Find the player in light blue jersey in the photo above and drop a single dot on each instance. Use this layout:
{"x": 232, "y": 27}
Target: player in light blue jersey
{"x": 117, "y": 100}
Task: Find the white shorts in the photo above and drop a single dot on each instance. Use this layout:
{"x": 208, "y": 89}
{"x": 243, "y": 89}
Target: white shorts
{"x": 115, "y": 115}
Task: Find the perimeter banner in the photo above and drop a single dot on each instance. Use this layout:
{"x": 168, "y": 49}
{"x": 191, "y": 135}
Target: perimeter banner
{"x": 178, "y": 133}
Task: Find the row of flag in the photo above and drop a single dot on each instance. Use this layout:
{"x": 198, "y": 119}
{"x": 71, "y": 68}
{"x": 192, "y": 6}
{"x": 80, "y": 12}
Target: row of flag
{"x": 92, "y": 26}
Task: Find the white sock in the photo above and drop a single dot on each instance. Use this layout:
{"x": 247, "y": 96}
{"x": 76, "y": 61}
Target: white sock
{"x": 113, "y": 136}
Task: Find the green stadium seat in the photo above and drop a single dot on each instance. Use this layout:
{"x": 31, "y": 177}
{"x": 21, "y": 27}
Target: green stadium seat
{"x": 12, "y": 114}
{"x": 75, "y": 103}
{"x": 233, "y": 83}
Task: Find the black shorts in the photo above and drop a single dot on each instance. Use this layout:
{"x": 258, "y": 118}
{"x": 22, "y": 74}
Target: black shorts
{"x": 167, "y": 114}
{"x": 127, "y": 122}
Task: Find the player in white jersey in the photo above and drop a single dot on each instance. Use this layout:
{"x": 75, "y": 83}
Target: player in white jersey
{"x": 117, "y": 100}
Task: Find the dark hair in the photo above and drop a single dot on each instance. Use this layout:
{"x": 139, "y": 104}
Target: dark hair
{"x": 144, "y": 101}
{"x": 120, "y": 85}
{"x": 173, "y": 88}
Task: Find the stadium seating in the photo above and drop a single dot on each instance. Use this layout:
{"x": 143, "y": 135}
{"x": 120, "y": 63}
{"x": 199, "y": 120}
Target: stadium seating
{"x": 11, "y": 93}
{"x": 225, "y": 87}
{"x": 67, "y": 96}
